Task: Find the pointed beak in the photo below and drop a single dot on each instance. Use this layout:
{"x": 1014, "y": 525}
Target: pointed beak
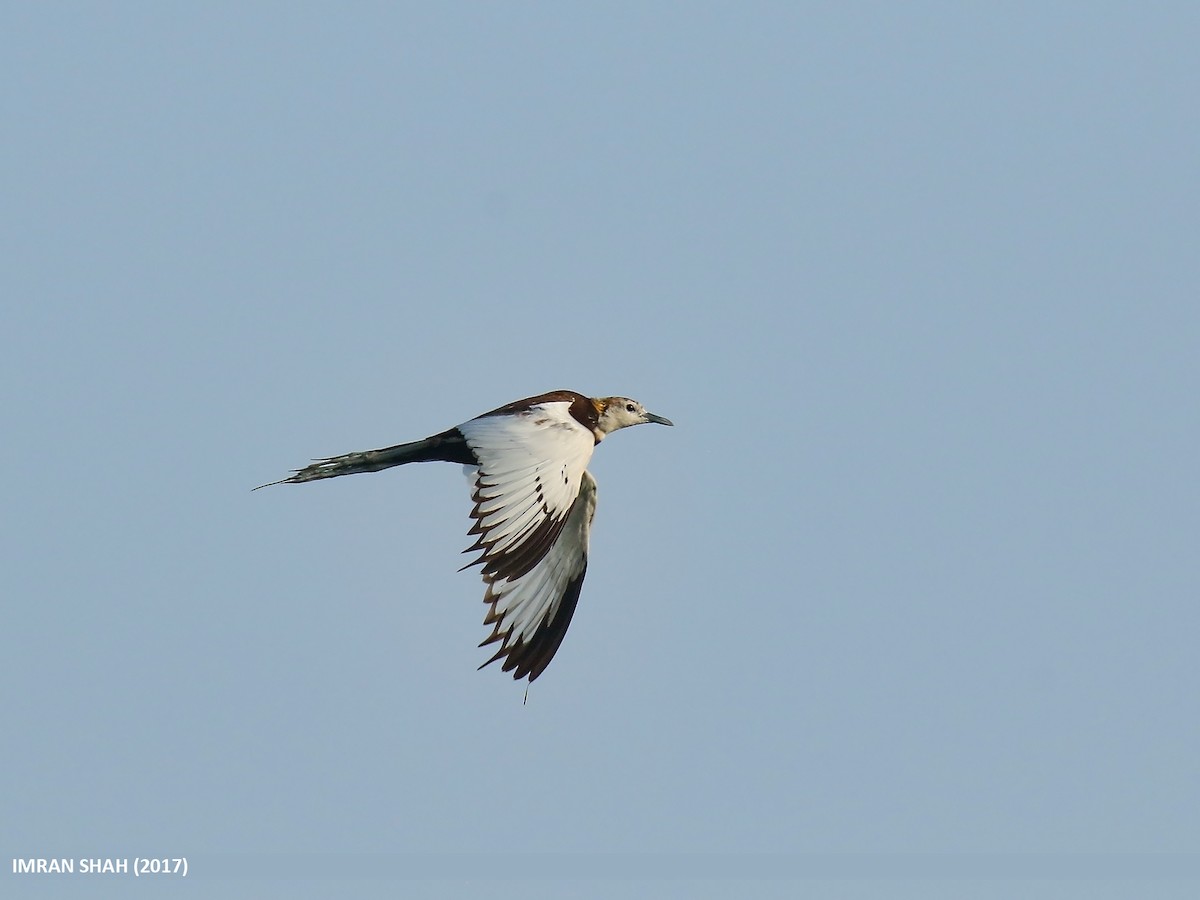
{"x": 658, "y": 420}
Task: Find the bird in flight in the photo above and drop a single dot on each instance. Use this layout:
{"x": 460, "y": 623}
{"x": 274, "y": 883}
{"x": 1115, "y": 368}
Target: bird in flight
{"x": 534, "y": 502}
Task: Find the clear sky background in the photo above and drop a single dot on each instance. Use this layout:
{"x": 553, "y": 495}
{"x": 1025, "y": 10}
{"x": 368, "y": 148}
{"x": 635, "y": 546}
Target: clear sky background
{"x": 914, "y": 578}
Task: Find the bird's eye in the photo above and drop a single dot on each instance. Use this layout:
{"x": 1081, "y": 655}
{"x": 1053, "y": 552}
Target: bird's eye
{"x": 629, "y": 407}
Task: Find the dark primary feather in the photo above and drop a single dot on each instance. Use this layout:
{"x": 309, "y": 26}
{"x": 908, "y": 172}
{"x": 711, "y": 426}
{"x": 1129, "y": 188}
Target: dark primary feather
{"x": 531, "y": 657}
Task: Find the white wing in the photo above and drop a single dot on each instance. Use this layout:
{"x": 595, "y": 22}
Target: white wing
{"x": 534, "y": 502}
{"x": 529, "y": 614}
{"x": 531, "y": 463}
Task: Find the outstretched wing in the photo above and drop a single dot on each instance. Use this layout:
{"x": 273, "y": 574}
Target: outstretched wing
{"x": 529, "y": 614}
{"x": 527, "y": 493}
{"x": 531, "y": 463}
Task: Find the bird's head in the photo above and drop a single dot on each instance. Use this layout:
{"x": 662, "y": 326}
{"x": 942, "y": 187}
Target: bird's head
{"x": 621, "y": 412}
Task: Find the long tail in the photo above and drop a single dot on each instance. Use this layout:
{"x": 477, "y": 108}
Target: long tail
{"x": 449, "y": 446}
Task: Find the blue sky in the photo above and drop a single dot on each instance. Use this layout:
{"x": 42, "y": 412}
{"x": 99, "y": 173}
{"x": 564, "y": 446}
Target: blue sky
{"x": 913, "y": 578}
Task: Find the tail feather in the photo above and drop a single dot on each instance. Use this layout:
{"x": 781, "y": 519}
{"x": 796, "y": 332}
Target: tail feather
{"x": 449, "y": 446}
